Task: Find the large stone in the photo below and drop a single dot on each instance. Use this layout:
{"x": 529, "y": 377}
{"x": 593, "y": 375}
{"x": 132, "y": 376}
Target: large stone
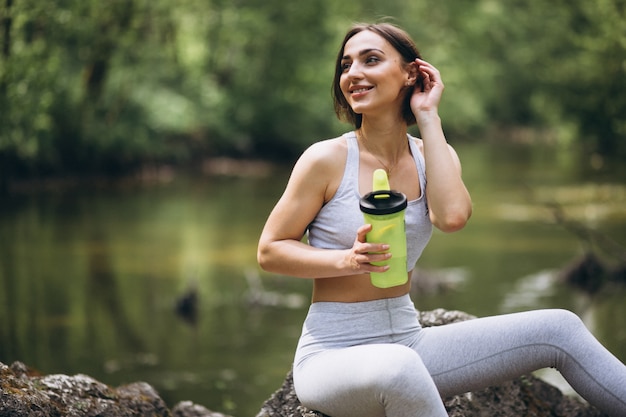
{"x": 525, "y": 396}
{"x": 23, "y": 392}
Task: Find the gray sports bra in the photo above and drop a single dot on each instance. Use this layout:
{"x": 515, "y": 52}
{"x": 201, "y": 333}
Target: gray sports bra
{"x": 335, "y": 225}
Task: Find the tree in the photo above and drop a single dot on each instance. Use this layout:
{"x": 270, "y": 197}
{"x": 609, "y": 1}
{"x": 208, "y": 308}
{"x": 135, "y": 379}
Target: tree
{"x": 93, "y": 87}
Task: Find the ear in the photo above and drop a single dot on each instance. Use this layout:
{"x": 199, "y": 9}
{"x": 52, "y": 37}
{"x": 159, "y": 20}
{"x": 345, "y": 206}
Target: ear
{"x": 412, "y": 74}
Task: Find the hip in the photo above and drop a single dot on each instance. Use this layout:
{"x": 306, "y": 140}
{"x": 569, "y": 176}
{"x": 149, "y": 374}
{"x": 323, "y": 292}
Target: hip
{"x": 337, "y": 325}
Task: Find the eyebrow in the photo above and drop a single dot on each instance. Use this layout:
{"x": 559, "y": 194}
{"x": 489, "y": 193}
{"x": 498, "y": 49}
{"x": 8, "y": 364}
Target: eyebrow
{"x": 364, "y": 52}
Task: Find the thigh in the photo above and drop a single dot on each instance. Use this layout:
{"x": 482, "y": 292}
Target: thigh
{"x": 374, "y": 380}
{"x": 477, "y": 353}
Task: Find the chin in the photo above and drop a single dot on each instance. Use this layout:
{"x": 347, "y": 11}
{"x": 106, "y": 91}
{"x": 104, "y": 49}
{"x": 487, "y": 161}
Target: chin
{"x": 359, "y": 109}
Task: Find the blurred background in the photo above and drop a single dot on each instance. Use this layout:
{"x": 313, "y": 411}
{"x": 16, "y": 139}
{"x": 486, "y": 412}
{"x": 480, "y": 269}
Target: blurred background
{"x": 143, "y": 144}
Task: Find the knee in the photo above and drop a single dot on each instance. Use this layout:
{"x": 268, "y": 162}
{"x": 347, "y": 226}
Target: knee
{"x": 560, "y": 327}
{"x": 565, "y": 321}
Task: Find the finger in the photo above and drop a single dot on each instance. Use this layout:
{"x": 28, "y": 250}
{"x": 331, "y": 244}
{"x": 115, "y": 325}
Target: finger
{"x": 425, "y": 67}
{"x": 369, "y": 267}
{"x": 378, "y": 257}
{"x": 362, "y": 232}
{"x": 426, "y": 81}
{"x": 364, "y": 254}
{"x": 425, "y": 64}
{"x": 363, "y": 262}
{"x": 376, "y": 248}
{"x": 431, "y": 75}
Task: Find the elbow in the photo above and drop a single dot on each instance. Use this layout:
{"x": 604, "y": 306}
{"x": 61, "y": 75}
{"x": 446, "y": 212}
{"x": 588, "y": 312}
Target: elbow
{"x": 453, "y": 221}
{"x": 263, "y": 258}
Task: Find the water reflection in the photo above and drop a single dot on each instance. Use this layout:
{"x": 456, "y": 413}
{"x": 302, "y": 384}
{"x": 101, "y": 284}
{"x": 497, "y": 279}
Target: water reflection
{"x": 531, "y": 291}
{"x": 105, "y": 299}
{"x": 90, "y": 278}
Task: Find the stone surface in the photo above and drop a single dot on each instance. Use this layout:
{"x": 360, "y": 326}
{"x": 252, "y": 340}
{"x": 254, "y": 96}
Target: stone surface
{"x": 24, "y": 392}
{"x": 189, "y": 409}
{"x": 525, "y": 396}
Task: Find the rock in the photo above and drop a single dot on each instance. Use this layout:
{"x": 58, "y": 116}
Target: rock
{"x": 189, "y": 409}
{"x": 587, "y": 273}
{"x": 524, "y": 396}
{"x": 440, "y": 316}
{"x": 23, "y": 392}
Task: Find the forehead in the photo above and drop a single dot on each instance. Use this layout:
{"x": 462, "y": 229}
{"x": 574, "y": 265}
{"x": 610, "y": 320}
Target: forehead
{"x": 365, "y": 40}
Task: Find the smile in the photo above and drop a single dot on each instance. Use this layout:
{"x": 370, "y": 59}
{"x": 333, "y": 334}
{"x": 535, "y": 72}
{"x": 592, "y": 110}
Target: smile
{"x": 361, "y": 90}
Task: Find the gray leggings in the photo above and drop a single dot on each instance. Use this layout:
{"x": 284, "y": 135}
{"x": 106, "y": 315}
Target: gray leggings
{"x": 373, "y": 359}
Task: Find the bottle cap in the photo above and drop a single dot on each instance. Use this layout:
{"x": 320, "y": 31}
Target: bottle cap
{"x": 383, "y": 202}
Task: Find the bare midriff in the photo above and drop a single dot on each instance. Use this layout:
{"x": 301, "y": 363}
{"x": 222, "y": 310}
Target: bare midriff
{"x": 353, "y": 289}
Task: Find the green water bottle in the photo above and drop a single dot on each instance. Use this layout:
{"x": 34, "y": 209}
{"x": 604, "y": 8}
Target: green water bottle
{"x": 384, "y": 210}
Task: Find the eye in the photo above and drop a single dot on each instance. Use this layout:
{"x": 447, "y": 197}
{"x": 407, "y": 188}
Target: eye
{"x": 345, "y": 66}
{"x": 372, "y": 60}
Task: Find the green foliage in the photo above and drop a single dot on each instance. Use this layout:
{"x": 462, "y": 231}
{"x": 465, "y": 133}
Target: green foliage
{"x": 88, "y": 86}
{"x": 561, "y": 63}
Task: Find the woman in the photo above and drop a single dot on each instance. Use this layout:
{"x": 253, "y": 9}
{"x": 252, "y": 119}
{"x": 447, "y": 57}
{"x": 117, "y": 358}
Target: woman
{"x": 362, "y": 351}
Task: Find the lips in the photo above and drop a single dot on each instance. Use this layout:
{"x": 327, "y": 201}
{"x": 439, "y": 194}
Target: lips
{"x": 357, "y": 90}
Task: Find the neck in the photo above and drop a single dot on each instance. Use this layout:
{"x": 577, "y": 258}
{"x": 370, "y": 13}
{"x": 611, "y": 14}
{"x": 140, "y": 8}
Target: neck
{"x": 386, "y": 146}
{"x": 384, "y": 140}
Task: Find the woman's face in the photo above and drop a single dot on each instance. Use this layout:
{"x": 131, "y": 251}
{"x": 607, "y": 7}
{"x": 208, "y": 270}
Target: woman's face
{"x": 373, "y": 74}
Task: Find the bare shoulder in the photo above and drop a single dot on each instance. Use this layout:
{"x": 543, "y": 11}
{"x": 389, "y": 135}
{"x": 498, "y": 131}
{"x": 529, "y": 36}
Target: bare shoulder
{"x": 322, "y": 164}
{"x": 325, "y": 158}
{"x": 419, "y": 143}
{"x": 327, "y": 153}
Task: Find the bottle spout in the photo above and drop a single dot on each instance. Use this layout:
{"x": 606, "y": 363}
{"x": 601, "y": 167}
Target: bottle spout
{"x": 380, "y": 182}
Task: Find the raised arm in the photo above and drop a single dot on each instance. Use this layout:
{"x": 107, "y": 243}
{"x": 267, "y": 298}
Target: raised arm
{"x": 449, "y": 201}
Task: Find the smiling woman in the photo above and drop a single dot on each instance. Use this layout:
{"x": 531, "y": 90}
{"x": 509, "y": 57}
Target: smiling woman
{"x": 400, "y": 49}
{"x": 362, "y": 351}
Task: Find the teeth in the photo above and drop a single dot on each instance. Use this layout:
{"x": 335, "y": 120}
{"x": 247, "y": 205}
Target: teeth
{"x": 360, "y": 90}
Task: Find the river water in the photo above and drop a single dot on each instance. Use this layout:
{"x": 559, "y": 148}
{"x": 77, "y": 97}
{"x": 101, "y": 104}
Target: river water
{"x": 89, "y": 276}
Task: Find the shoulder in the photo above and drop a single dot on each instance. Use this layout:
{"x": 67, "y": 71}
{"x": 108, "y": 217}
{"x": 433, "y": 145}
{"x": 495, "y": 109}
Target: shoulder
{"x": 417, "y": 142}
{"x": 322, "y": 164}
{"x": 324, "y": 158}
{"x": 327, "y": 152}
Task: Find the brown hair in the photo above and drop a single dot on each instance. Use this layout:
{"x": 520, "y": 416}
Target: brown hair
{"x": 402, "y": 42}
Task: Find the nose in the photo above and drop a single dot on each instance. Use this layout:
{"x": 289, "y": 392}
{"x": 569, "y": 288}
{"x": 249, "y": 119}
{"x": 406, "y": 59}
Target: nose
{"x": 355, "y": 71}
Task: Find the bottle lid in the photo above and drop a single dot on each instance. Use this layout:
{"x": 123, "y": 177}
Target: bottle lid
{"x": 383, "y": 202}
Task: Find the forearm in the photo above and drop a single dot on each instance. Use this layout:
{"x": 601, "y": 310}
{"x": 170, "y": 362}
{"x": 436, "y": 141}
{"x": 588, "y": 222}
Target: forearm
{"x": 300, "y": 260}
{"x": 448, "y": 198}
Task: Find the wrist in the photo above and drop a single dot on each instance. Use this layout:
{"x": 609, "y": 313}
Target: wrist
{"x": 426, "y": 118}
